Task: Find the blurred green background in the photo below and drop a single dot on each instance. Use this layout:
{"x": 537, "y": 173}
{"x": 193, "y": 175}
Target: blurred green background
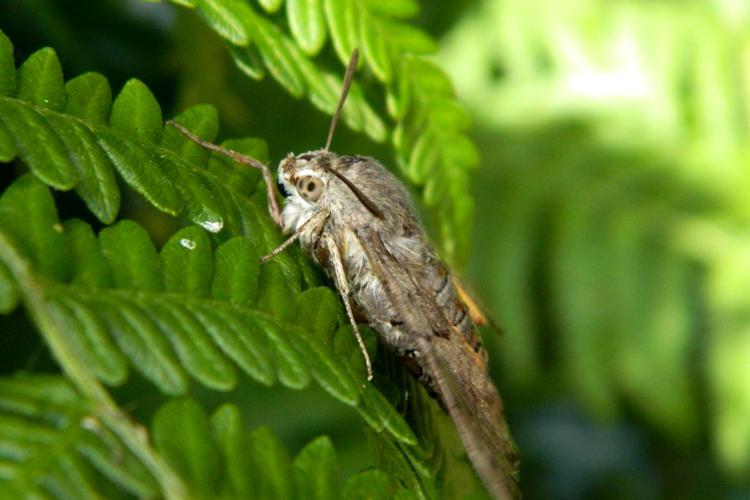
{"x": 612, "y": 224}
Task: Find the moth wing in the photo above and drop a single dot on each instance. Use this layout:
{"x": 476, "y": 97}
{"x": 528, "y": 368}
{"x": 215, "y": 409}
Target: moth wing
{"x": 413, "y": 300}
{"x": 456, "y": 370}
{"x": 473, "y": 404}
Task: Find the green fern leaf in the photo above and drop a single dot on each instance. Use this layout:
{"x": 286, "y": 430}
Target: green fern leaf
{"x": 180, "y": 435}
{"x": 28, "y": 215}
{"x": 409, "y": 39}
{"x": 97, "y": 186}
{"x": 248, "y": 345}
{"x": 392, "y": 460}
{"x": 268, "y": 471}
{"x": 248, "y": 61}
{"x": 374, "y": 46}
{"x": 396, "y": 9}
{"x": 89, "y": 266}
{"x": 136, "y": 112}
{"x": 66, "y": 152}
{"x": 270, "y": 6}
{"x": 9, "y": 294}
{"x": 132, "y": 257}
{"x": 139, "y": 167}
{"x": 40, "y": 80}
{"x": 330, "y": 374}
{"x": 138, "y": 336}
{"x": 374, "y": 403}
{"x": 8, "y": 149}
{"x": 307, "y": 24}
{"x": 89, "y": 98}
{"x": 342, "y": 22}
{"x": 240, "y": 476}
{"x": 187, "y": 267}
{"x": 423, "y": 157}
{"x": 318, "y": 309}
{"x": 107, "y": 455}
{"x": 221, "y": 16}
{"x": 275, "y": 51}
{"x": 186, "y": 263}
{"x": 236, "y": 273}
{"x": 7, "y": 67}
{"x": 291, "y": 369}
{"x": 637, "y": 293}
{"x": 368, "y": 485}
{"x": 446, "y": 113}
{"x": 272, "y": 465}
{"x": 203, "y": 120}
{"x": 194, "y": 347}
{"x": 89, "y": 339}
{"x": 315, "y": 470}
{"x": 29, "y": 131}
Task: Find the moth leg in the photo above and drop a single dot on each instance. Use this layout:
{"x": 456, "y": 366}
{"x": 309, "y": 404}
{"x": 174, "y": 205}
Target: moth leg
{"x": 343, "y": 287}
{"x": 316, "y": 220}
{"x": 273, "y": 204}
{"x": 276, "y": 251}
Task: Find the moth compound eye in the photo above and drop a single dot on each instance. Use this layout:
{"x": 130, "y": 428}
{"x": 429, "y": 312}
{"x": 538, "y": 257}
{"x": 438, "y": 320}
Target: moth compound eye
{"x": 310, "y": 188}
{"x": 282, "y": 189}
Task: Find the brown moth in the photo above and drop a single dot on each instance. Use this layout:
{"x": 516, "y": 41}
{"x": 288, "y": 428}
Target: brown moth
{"x": 356, "y": 220}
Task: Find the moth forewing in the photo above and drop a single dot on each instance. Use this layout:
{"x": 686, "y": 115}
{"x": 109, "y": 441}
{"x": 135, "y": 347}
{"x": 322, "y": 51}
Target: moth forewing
{"x": 476, "y": 411}
{"x": 452, "y": 366}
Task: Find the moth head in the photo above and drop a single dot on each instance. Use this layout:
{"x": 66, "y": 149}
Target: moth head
{"x": 307, "y": 178}
{"x": 304, "y": 177}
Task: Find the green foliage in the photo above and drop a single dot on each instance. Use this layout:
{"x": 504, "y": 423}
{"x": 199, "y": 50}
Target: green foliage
{"x": 612, "y": 243}
{"x": 635, "y": 217}
{"x": 52, "y": 447}
{"x": 201, "y": 309}
{"x": 432, "y": 150}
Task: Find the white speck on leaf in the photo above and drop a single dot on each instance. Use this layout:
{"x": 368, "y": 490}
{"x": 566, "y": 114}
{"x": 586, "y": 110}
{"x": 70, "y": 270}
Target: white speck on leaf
{"x": 212, "y": 225}
{"x": 189, "y": 244}
{"x": 90, "y": 423}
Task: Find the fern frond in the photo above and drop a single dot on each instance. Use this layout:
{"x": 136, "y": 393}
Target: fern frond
{"x": 268, "y": 471}
{"x": 53, "y": 446}
{"x": 50, "y": 445}
{"x": 70, "y": 136}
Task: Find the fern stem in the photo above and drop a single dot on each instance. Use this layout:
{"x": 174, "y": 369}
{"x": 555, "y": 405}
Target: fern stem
{"x": 132, "y": 434}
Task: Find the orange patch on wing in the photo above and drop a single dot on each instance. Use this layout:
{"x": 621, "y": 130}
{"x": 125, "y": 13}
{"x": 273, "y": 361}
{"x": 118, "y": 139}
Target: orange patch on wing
{"x": 475, "y": 312}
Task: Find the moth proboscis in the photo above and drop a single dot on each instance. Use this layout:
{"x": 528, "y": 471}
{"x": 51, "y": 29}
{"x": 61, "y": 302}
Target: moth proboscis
{"x": 356, "y": 220}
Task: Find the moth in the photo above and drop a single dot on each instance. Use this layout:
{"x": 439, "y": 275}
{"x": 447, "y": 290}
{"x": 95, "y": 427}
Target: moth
{"x": 356, "y": 220}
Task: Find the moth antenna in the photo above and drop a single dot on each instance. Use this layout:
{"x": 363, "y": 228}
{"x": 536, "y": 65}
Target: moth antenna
{"x": 348, "y": 76}
{"x": 369, "y": 205}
